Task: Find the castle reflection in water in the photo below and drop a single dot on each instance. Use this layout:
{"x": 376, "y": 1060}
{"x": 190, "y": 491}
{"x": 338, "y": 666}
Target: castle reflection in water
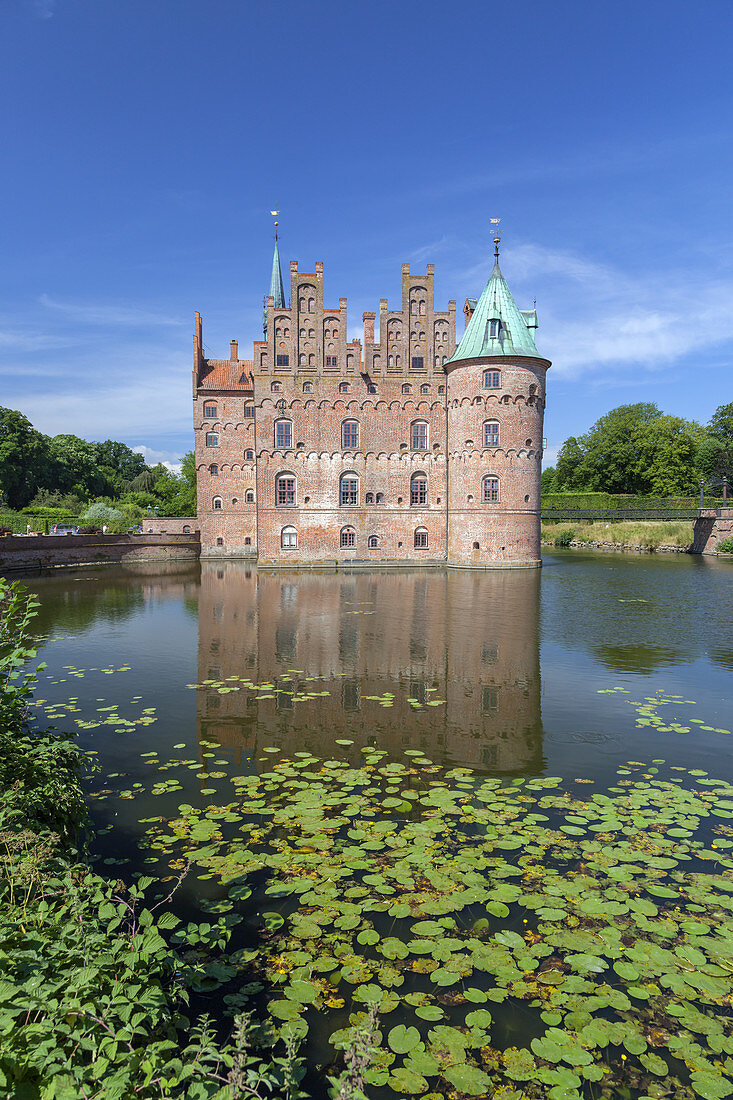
{"x": 470, "y": 640}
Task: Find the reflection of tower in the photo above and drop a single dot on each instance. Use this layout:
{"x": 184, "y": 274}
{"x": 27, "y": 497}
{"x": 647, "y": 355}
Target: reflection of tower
{"x": 466, "y": 641}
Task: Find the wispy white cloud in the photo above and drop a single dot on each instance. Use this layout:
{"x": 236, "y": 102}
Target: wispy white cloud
{"x": 19, "y": 341}
{"x": 97, "y": 313}
{"x": 169, "y": 459}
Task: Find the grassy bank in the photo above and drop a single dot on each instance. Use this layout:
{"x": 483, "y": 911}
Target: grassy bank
{"x": 647, "y": 533}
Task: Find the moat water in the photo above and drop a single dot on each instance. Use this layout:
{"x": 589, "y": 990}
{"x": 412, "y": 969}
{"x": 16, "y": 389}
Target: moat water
{"x": 512, "y": 663}
{"x": 186, "y": 681}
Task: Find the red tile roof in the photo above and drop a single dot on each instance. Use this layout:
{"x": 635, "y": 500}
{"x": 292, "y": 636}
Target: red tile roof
{"x": 226, "y": 374}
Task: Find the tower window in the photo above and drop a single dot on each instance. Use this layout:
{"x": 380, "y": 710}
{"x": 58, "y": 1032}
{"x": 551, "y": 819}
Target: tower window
{"x": 494, "y": 328}
{"x": 421, "y": 538}
{"x": 491, "y": 433}
{"x": 285, "y": 489}
{"x": 407, "y": 388}
{"x": 350, "y": 435}
{"x": 210, "y": 411}
{"x": 216, "y": 504}
{"x": 214, "y": 470}
{"x": 332, "y": 360}
{"x": 492, "y": 380}
{"x": 425, "y": 388}
{"x": 212, "y": 439}
{"x": 276, "y": 387}
{"x": 490, "y": 490}
{"x": 249, "y": 497}
{"x": 249, "y": 411}
{"x": 249, "y": 456}
{"x": 349, "y": 489}
{"x": 343, "y": 386}
{"x": 307, "y": 387}
{"x": 283, "y": 433}
{"x": 418, "y": 489}
{"x": 419, "y": 435}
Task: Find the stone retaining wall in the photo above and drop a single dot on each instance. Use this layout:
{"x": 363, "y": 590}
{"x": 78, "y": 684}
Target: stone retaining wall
{"x": 712, "y": 526}
{"x": 28, "y": 552}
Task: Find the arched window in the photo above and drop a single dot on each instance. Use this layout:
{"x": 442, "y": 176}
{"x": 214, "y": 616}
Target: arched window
{"x": 491, "y": 433}
{"x": 419, "y": 435}
{"x": 212, "y": 439}
{"x": 214, "y": 469}
{"x": 301, "y": 360}
{"x": 249, "y": 497}
{"x": 210, "y": 411}
{"x": 216, "y": 504}
{"x": 349, "y": 493}
{"x": 425, "y": 388}
{"x": 249, "y": 455}
{"x": 186, "y": 529}
{"x": 344, "y": 387}
{"x": 249, "y": 411}
{"x": 490, "y": 489}
{"x": 350, "y": 435}
{"x": 407, "y": 388}
{"x": 284, "y": 489}
{"x": 494, "y": 328}
{"x": 283, "y": 433}
{"x": 348, "y": 538}
{"x": 289, "y": 538}
{"x": 369, "y": 498}
{"x": 492, "y": 380}
{"x": 373, "y": 542}
{"x": 380, "y": 498}
{"x": 421, "y": 538}
{"x": 418, "y": 489}
{"x": 307, "y": 387}
{"x": 276, "y": 387}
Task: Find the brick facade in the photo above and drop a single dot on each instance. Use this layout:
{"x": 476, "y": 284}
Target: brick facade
{"x": 382, "y": 444}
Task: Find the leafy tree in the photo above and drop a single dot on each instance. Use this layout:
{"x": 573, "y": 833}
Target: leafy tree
{"x": 666, "y": 454}
{"x": 547, "y": 482}
{"x": 716, "y": 451}
{"x": 125, "y": 462}
{"x": 612, "y": 449}
{"x": 75, "y": 467}
{"x": 24, "y": 458}
{"x": 569, "y": 470}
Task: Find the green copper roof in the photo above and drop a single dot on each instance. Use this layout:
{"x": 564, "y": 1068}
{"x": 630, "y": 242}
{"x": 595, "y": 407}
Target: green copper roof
{"x": 276, "y": 285}
{"x": 513, "y": 333}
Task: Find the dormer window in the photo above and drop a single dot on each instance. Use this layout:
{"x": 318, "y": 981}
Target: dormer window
{"x": 494, "y": 328}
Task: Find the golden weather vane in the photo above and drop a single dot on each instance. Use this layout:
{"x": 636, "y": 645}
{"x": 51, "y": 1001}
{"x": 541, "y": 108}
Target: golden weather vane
{"x": 275, "y": 214}
{"x": 496, "y": 226}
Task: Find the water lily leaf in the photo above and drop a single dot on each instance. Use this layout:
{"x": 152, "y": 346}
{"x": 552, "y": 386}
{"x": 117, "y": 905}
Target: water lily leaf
{"x": 406, "y": 1080}
{"x": 429, "y": 1012}
{"x": 403, "y": 1039}
{"x": 468, "y": 1079}
{"x": 711, "y": 1086}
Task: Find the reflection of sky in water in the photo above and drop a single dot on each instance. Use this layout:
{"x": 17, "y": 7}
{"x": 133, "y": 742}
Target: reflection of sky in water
{"x": 511, "y": 661}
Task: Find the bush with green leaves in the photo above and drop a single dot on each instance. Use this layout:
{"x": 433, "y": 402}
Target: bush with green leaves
{"x": 726, "y": 546}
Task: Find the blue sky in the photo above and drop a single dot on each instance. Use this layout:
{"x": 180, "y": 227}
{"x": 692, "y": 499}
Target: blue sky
{"x": 145, "y": 143}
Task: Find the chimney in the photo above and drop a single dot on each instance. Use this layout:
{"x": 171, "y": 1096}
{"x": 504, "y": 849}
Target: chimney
{"x": 319, "y": 267}
{"x": 368, "y": 319}
{"x": 233, "y": 350}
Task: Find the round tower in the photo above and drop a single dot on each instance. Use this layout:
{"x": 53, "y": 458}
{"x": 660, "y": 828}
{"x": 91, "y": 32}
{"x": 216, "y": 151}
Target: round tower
{"x": 496, "y": 404}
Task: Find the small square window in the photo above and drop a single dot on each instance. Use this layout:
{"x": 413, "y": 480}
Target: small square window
{"x": 249, "y": 411}
{"x": 417, "y": 362}
{"x": 282, "y": 360}
{"x": 332, "y": 360}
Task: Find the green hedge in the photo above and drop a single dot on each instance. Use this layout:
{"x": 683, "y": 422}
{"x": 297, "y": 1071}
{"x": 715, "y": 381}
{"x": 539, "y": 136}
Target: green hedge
{"x": 40, "y": 524}
{"x": 620, "y": 500}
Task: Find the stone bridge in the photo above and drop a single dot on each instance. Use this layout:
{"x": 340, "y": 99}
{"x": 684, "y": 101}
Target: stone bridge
{"x": 20, "y": 553}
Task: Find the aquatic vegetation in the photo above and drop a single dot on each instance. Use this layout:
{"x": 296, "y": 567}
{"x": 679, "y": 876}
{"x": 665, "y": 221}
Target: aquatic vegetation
{"x": 509, "y": 937}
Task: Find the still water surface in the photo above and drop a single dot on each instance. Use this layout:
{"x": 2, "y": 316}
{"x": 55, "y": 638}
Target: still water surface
{"x": 512, "y": 662}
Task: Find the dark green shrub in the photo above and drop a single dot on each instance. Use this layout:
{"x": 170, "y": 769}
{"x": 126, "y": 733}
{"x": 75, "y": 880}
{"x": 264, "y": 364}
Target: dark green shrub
{"x": 726, "y": 546}
{"x": 565, "y": 537}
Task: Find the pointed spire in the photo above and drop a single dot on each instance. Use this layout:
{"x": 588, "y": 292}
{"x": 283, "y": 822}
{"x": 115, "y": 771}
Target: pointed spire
{"x": 497, "y": 326}
{"x": 276, "y": 283}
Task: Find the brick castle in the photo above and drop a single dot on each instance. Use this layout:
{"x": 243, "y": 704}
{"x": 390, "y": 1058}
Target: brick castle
{"x": 408, "y": 447}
